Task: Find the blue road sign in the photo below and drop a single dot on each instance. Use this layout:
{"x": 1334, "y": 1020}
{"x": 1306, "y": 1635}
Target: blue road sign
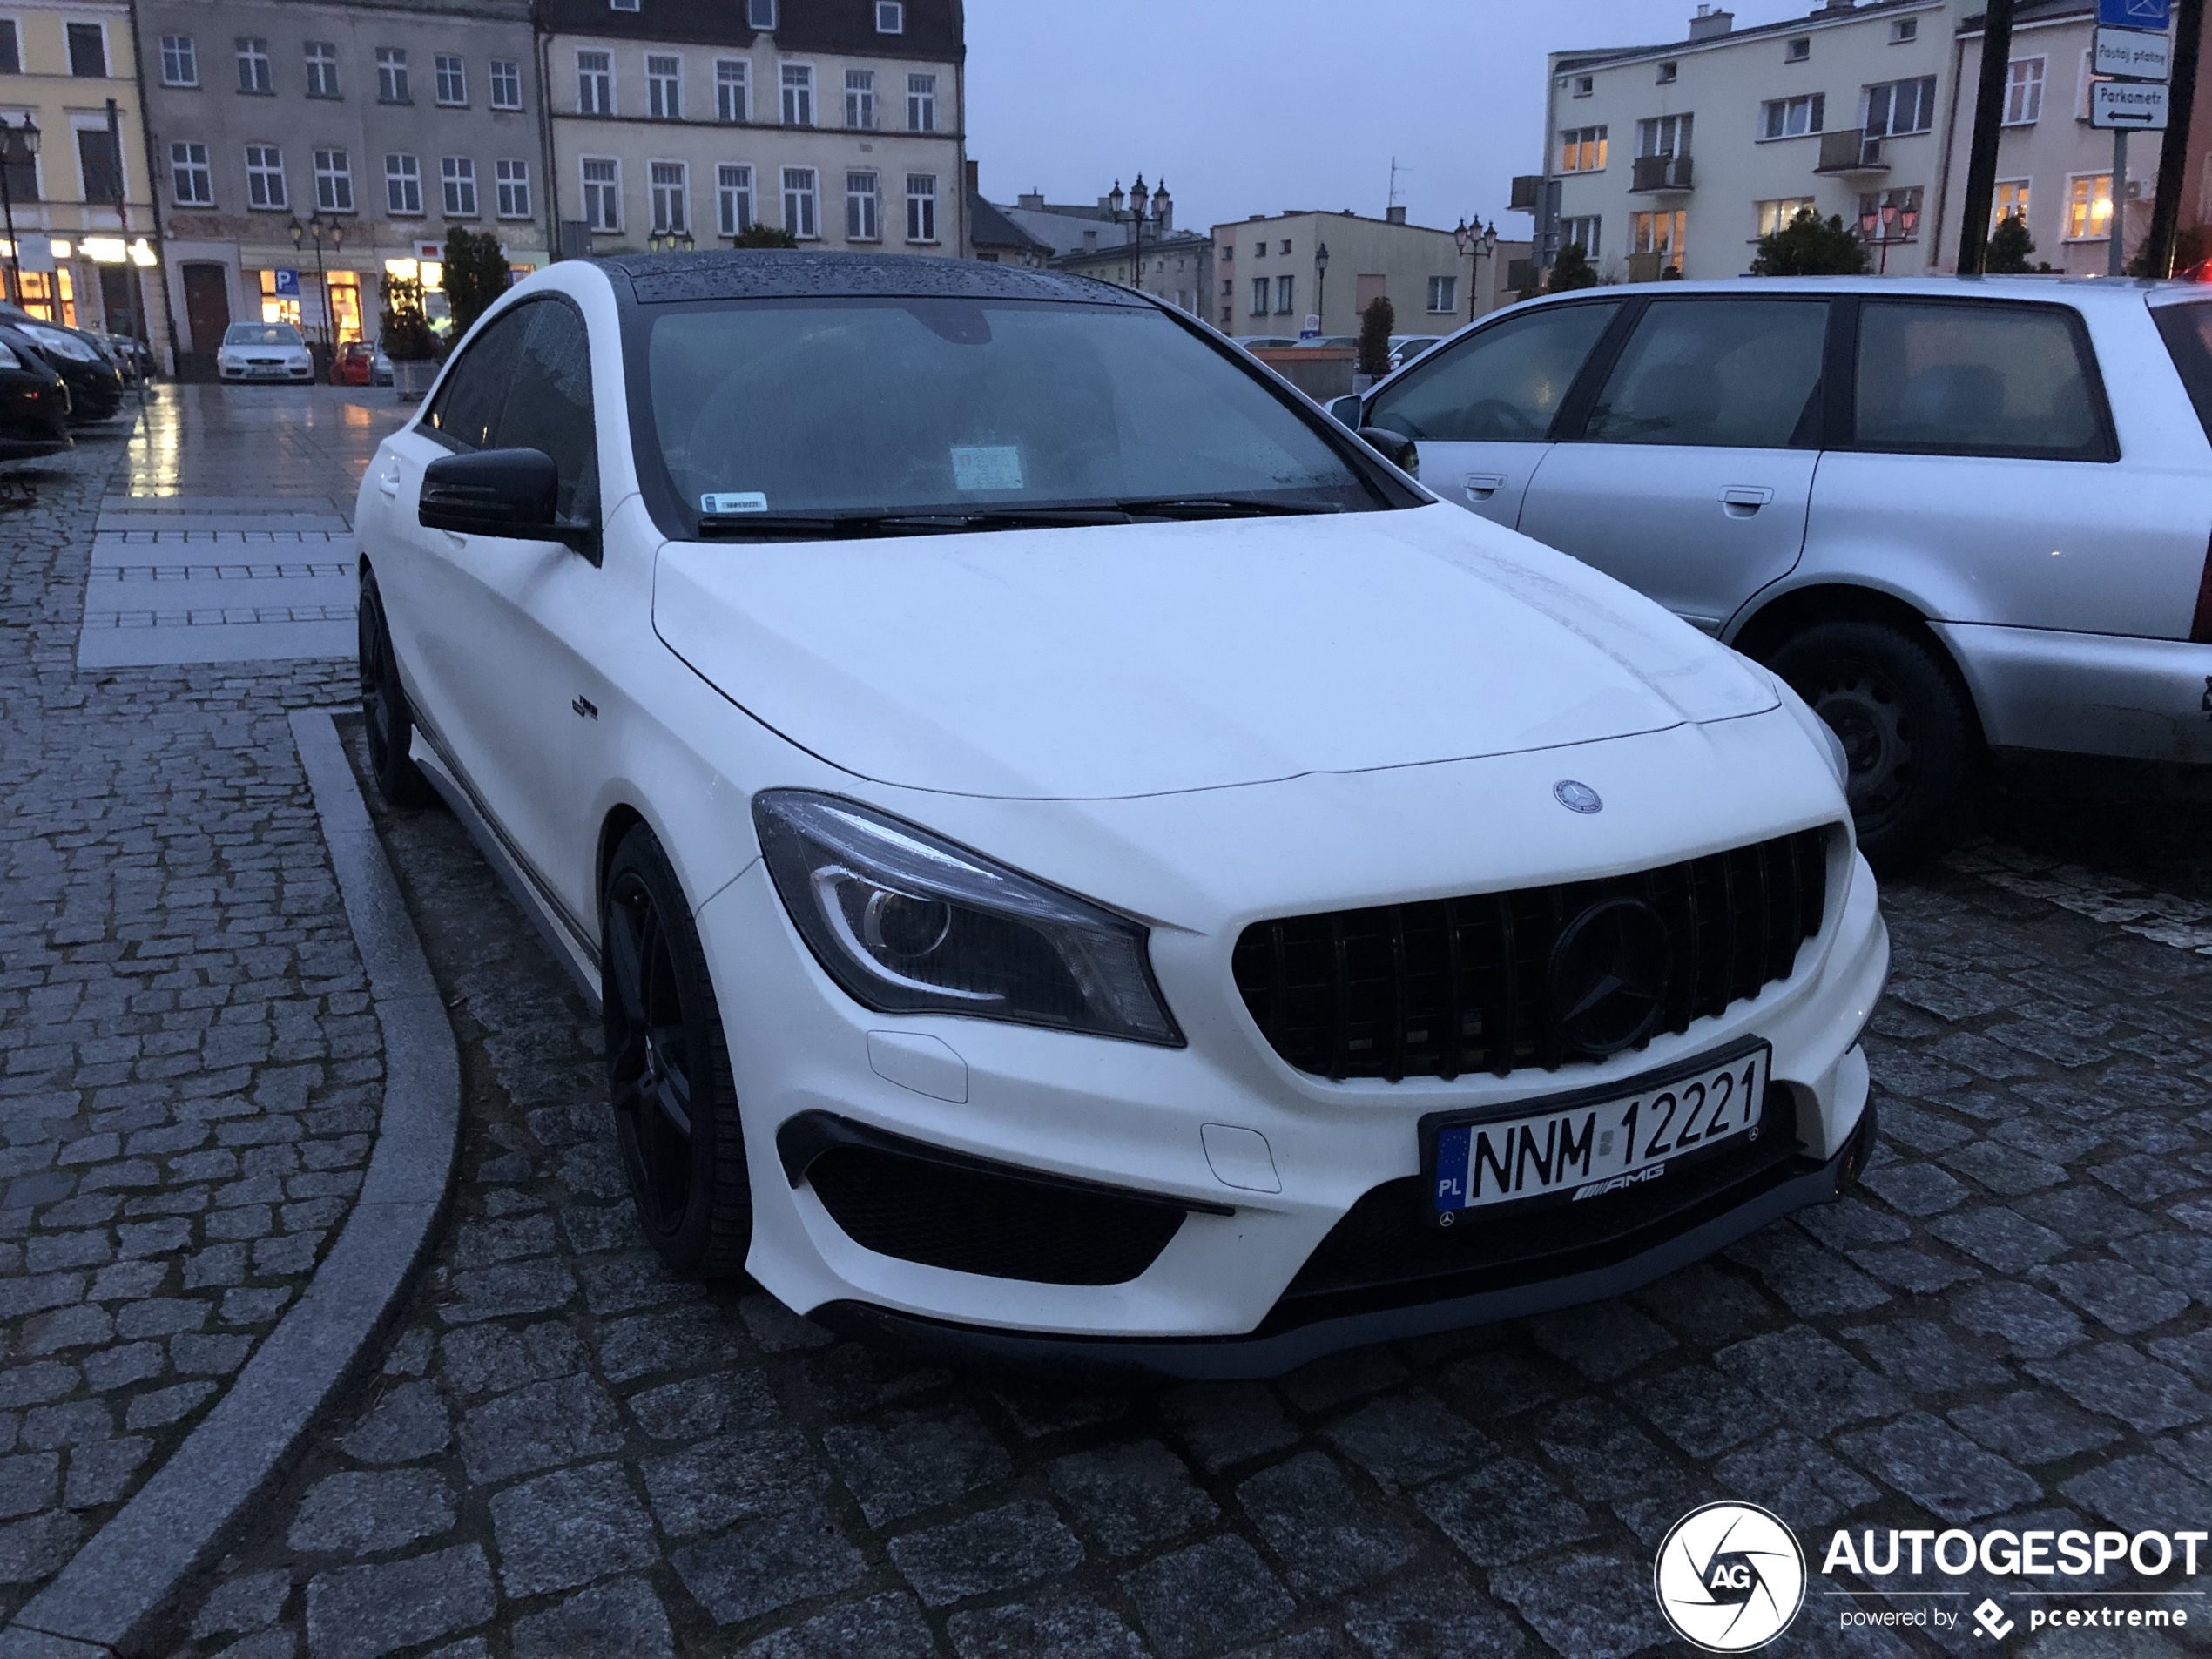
{"x": 2155, "y": 15}
{"x": 287, "y": 284}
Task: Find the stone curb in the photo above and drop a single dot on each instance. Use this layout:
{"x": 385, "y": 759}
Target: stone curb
{"x": 117, "y": 1586}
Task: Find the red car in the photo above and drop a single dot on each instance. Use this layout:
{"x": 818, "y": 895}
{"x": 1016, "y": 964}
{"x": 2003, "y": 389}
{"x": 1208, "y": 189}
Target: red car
{"x": 356, "y": 365}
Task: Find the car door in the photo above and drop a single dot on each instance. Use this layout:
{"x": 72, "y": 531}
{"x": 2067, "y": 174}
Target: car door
{"x": 1692, "y": 477}
{"x": 1482, "y": 409}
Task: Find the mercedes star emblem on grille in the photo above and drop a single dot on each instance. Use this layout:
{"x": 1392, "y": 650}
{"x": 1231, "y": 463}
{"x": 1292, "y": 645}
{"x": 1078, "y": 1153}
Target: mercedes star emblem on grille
{"x": 1609, "y": 975}
{"x": 1576, "y": 797}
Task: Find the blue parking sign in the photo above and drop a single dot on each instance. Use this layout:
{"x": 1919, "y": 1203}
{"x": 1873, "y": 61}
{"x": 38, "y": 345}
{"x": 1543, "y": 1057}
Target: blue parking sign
{"x": 287, "y": 284}
{"x": 2155, "y": 15}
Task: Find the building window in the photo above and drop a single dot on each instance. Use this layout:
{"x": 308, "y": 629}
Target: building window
{"x": 512, "y": 181}
{"x": 254, "y": 64}
{"x": 402, "y": 185}
{"x": 264, "y": 176}
{"x": 671, "y": 187}
{"x": 2088, "y": 207}
{"x": 890, "y": 18}
{"x": 1259, "y": 296}
{"x": 1285, "y": 295}
{"x": 1583, "y": 231}
{"x": 179, "y": 63}
{"x": 189, "y": 177}
{"x": 11, "y": 47}
{"x": 1286, "y": 245}
{"x": 1780, "y": 213}
{"x": 602, "y": 192}
{"x": 453, "y": 79}
{"x": 595, "y": 83}
{"x": 798, "y": 95}
{"x": 733, "y": 89}
{"x": 1663, "y": 135}
{"x": 733, "y": 199}
{"x": 860, "y": 98}
{"x": 2011, "y": 199}
{"x": 863, "y": 222}
{"x": 457, "y": 178}
{"x": 506, "y": 84}
{"x": 1659, "y": 233}
{"x": 1897, "y": 108}
{"x": 1904, "y": 30}
{"x": 333, "y": 182}
{"x": 921, "y": 102}
{"x": 1583, "y": 85}
{"x": 88, "y": 51}
{"x": 1668, "y": 73}
{"x": 1444, "y": 295}
{"x": 391, "y": 75}
{"x": 663, "y": 87}
{"x": 761, "y": 14}
{"x": 799, "y": 203}
{"x": 322, "y": 69}
{"x": 1793, "y": 118}
{"x": 922, "y": 207}
{"x": 1797, "y": 49}
{"x": 1581, "y": 149}
{"x": 2023, "y": 91}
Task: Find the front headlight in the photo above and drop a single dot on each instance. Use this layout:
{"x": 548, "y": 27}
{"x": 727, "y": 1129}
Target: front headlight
{"x": 61, "y": 345}
{"x": 910, "y": 924}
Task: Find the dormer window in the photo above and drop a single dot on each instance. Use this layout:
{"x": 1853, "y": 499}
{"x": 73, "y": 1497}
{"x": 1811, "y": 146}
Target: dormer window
{"x": 761, "y": 14}
{"x": 890, "y": 16}
{"x": 1798, "y": 50}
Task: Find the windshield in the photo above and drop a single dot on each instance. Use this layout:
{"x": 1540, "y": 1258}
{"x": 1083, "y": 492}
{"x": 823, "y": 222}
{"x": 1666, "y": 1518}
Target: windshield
{"x": 847, "y": 407}
{"x": 261, "y": 334}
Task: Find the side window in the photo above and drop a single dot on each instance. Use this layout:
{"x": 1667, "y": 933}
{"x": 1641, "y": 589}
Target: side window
{"x": 550, "y": 408}
{"x": 1977, "y": 378}
{"x": 1727, "y": 373}
{"x": 466, "y": 413}
{"x": 1506, "y": 382}
{"x": 2187, "y": 331}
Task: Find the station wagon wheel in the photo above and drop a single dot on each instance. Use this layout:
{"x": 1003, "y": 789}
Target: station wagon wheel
{"x": 387, "y": 723}
{"x": 1906, "y": 730}
{"x": 668, "y": 1070}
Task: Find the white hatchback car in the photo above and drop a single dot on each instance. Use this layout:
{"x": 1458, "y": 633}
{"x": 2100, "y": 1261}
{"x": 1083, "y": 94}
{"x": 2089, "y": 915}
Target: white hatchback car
{"x": 264, "y": 351}
{"x": 1078, "y": 857}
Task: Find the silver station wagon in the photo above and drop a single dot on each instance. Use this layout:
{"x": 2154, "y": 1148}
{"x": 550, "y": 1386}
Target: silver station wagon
{"x": 1954, "y": 515}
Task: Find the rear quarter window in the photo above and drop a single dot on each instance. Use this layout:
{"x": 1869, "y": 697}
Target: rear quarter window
{"x": 2187, "y": 331}
{"x": 1978, "y": 378}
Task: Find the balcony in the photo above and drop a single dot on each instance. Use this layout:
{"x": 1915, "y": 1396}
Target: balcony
{"x": 1851, "y": 150}
{"x": 1649, "y": 268}
{"x": 1660, "y": 176}
{"x": 1527, "y": 192}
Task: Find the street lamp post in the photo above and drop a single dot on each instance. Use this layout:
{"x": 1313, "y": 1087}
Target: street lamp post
{"x": 316, "y": 225}
{"x": 1143, "y": 204}
{"x": 1321, "y": 286}
{"x": 1889, "y": 222}
{"x": 668, "y": 241}
{"x": 27, "y": 135}
{"x": 1468, "y": 238}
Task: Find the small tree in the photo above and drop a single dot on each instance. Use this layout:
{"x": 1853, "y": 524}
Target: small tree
{"x": 477, "y": 274}
{"x": 1571, "y": 270}
{"x": 1377, "y": 323}
{"x": 764, "y": 236}
{"x": 1810, "y": 246}
{"x": 408, "y": 337}
{"x": 2009, "y": 247}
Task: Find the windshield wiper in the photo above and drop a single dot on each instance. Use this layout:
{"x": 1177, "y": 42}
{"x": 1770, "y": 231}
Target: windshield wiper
{"x": 830, "y": 527}
{"x": 1217, "y": 507}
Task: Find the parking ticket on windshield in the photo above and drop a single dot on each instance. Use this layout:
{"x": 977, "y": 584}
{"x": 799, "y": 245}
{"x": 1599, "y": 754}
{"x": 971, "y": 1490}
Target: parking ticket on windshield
{"x": 986, "y": 467}
{"x": 742, "y": 501}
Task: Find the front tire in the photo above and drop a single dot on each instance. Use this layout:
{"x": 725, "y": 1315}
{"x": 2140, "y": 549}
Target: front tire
{"x": 668, "y": 1070}
{"x": 390, "y": 726}
{"x": 1910, "y": 737}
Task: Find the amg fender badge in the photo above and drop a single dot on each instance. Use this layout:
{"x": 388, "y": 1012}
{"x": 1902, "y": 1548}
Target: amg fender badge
{"x": 1577, "y": 797}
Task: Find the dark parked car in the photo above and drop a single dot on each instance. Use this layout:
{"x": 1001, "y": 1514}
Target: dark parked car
{"x": 95, "y": 383}
{"x": 34, "y": 403}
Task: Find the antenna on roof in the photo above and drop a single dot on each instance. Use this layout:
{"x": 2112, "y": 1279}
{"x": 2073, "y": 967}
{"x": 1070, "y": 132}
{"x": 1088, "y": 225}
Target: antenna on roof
{"x": 1394, "y": 170}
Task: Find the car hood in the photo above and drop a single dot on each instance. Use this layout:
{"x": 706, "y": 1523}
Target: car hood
{"x": 1138, "y": 660}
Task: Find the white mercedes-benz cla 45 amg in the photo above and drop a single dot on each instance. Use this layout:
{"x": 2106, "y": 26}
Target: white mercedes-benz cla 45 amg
{"x": 1080, "y": 856}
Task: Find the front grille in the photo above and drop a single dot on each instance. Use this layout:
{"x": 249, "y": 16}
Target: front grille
{"x": 1449, "y": 986}
{"x": 976, "y": 1221}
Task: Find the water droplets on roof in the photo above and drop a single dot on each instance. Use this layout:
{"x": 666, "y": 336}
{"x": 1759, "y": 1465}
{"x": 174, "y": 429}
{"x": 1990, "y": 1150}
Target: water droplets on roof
{"x": 752, "y": 273}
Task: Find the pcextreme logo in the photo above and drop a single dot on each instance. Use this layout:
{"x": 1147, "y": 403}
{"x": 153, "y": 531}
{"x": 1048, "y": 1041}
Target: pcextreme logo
{"x": 1730, "y": 1577}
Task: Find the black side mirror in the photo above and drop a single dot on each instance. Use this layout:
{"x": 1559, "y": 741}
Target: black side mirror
{"x": 512, "y": 493}
{"x": 1394, "y": 447}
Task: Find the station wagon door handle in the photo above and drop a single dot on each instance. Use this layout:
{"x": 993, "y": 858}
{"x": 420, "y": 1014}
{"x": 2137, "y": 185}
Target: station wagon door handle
{"x": 1483, "y": 485}
{"x": 1741, "y": 501}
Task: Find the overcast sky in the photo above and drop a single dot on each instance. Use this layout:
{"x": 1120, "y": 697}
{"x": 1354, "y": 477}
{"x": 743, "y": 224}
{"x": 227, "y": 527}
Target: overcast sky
{"x": 1251, "y": 108}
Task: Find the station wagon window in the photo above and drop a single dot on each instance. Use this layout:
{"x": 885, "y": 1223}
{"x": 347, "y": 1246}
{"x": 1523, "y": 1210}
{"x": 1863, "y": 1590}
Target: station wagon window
{"x": 1503, "y": 383}
{"x": 1977, "y": 378}
{"x": 1724, "y": 373}
{"x": 2187, "y": 331}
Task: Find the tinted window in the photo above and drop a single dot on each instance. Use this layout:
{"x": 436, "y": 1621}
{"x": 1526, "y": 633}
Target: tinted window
{"x": 548, "y": 405}
{"x": 261, "y": 334}
{"x": 1977, "y": 379}
{"x": 2187, "y": 334}
{"x": 1504, "y": 381}
{"x": 467, "y": 410}
{"x": 1731, "y": 373}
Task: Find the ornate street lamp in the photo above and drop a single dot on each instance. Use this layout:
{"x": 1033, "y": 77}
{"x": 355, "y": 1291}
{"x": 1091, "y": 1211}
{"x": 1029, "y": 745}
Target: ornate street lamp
{"x": 1321, "y": 286}
{"x": 318, "y": 227}
{"x": 1143, "y": 205}
{"x": 26, "y": 136}
{"x": 667, "y": 241}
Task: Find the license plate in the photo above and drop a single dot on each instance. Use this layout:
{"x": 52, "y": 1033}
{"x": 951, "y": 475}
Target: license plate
{"x": 1596, "y": 1144}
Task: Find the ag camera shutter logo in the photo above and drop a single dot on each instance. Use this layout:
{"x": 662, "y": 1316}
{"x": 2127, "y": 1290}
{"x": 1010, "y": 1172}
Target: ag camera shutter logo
{"x": 1730, "y": 1577}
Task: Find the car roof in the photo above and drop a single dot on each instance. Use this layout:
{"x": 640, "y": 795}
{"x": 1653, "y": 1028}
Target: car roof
{"x": 2076, "y": 291}
{"x": 783, "y": 273}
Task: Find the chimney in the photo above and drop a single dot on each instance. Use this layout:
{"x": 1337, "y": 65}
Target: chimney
{"x": 1033, "y": 199}
{"x": 1395, "y": 215}
{"x": 1709, "y": 25}
{"x": 973, "y": 186}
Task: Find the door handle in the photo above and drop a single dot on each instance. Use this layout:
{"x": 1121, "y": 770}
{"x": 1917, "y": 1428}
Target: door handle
{"x": 1741, "y": 501}
{"x": 1483, "y": 485}
{"x": 388, "y": 480}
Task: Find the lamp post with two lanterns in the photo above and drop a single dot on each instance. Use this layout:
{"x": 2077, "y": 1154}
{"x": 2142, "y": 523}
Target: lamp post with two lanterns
{"x": 318, "y": 227}
{"x": 10, "y": 137}
{"x": 669, "y": 241}
{"x": 1469, "y": 237}
{"x": 1143, "y": 206}
{"x": 1890, "y": 222}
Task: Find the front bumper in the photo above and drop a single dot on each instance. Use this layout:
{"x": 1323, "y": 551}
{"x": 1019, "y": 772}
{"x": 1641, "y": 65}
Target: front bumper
{"x": 1134, "y": 1118}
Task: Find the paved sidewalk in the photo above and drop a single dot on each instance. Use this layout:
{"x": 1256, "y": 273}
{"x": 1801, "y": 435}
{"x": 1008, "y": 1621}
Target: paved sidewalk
{"x": 188, "y": 1069}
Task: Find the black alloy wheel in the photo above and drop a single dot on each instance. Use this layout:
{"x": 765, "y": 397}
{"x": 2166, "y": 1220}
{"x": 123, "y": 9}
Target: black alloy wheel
{"x": 390, "y": 726}
{"x": 668, "y": 1070}
{"x": 1911, "y": 739}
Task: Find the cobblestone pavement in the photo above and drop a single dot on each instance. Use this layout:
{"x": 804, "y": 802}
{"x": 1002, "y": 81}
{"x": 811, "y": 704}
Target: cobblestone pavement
{"x": 188, "y": 1069}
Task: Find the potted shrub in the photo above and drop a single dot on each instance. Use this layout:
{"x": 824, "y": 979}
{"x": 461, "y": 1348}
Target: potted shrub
{"x": 408, "y": 339}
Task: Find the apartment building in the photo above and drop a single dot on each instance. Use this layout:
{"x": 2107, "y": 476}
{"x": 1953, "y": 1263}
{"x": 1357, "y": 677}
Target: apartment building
{"x": 1129, "y": 237}
{"x": 76, "y": 186}
{"x": 1679, "y": 158}
{"x": 683, "y": 122}
{"x": 1273, "y": 272}
{"x": 304, "y": 150}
